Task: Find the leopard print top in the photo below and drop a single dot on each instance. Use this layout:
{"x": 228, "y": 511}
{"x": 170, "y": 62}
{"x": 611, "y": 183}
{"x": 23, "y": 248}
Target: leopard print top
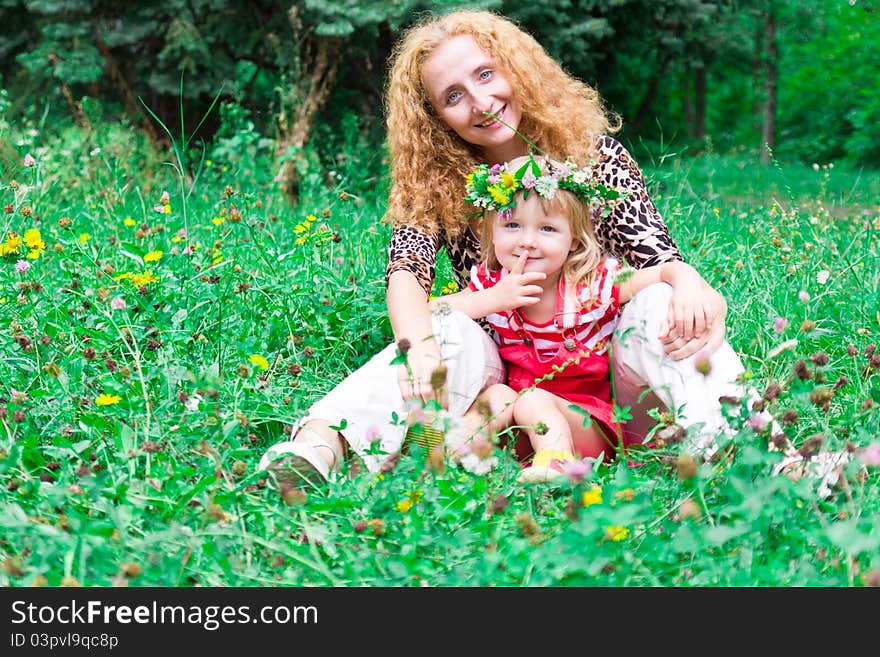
{"x": 634, "y": 231}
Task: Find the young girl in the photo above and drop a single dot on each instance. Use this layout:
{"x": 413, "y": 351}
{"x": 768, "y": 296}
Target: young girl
{"x": 553, "y": 301}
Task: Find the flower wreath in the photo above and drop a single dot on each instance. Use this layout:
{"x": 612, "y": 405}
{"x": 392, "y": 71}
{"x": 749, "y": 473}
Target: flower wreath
{"x": 494, "y": 188}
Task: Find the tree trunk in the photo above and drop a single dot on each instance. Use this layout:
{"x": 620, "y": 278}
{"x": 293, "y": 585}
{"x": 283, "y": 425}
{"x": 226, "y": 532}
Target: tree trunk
{"x": 768, "y": 133}
{"x": 689, "y": 111}
{"x": 650, "y": 94}
{"x": 319, "y": 63}
{"x": 757, "y": 76}
{"x": 122, "y": 86}
{"x": 700, "y": 103}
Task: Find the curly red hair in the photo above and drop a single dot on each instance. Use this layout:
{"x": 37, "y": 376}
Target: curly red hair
{"x": 560, "y": 114}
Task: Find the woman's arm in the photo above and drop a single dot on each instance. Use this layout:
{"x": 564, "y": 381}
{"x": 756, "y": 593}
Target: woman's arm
{"x": 411, "y": 322}
{"x": 652, "y": 245}
{"x": 688, "y": 315}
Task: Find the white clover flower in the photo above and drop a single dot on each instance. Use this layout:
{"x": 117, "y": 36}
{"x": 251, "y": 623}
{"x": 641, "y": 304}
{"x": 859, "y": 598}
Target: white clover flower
{"x": 546, "y": 187}
{"x": 473, "y": 463}
{"x": 822, "y": 276}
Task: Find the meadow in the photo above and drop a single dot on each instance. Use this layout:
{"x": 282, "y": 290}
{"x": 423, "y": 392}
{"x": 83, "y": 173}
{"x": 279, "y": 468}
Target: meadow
{"x": 165, "y": 315}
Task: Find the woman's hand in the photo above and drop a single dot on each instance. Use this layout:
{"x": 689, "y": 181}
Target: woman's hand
{"x": 421, "y": 373}
{"x": 696, "y": 320}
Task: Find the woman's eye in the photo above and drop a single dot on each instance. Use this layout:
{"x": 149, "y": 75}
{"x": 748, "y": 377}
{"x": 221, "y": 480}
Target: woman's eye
{"x": 485, "y": 75}
{"x": 452, "y": 97}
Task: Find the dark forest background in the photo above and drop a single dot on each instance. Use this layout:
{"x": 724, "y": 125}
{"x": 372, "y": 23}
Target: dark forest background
{"x": 800, "y": 77}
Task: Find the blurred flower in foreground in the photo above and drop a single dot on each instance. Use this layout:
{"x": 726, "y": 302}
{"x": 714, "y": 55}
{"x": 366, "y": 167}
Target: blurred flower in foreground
{"x": 870, "y": 455}
{"x": 780, "y": 324}
{"x": 29, "y": 160}
{"x": 577, "y": 470}
{"x": 617, "y": 533}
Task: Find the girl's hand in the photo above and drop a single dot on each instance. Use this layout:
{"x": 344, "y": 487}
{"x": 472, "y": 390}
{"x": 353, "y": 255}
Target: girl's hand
{"x": 696, "y": 321}
{"x": 517, "y": 288}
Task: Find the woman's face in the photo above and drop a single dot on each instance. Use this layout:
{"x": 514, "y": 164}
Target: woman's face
{"x": 464, "y": 84}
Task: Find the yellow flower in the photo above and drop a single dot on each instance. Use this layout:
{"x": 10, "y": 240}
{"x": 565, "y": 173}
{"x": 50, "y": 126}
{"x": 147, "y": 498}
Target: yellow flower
{"x": 301, "y": 228}
{"x": 33, "y": 239}
{"x": 152, "y": 256}
{"x": 413, "y": 497}
{"x": 218, "y": 220}
{"x": 84, "y": 237}
{"x": 450, "y": 288}
{"x": 128, "y": 221}
{"x": 300, "y": 240}
{"x": 122, "y": 276}
{"x": 508, "y": 180}
{"x": 107, "y": 400}
{"x": 592, "y": 496}
{"x": 13, "y": 241}
{"x": 257, "y": 359}
{"x": 143, "y": 279}
{"x": 617, "y": 533}
{"x": 311, "y": 218}
{"x": 498, "y": 195}
{"x": 167, "y": 209}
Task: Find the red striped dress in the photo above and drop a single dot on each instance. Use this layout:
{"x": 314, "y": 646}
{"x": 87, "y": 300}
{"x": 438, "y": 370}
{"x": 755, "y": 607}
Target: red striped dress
{"x": 567, "y": 356}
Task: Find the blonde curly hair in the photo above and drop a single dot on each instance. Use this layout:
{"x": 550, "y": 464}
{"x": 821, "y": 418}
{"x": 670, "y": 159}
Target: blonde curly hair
{"x": 560, "y": 114}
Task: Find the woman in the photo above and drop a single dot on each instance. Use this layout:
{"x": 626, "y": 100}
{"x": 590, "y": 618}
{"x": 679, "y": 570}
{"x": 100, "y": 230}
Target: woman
{"x": 461, "y": 88}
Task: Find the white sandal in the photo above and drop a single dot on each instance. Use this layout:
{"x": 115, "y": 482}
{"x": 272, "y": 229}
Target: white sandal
{"x": 295, "y": 463}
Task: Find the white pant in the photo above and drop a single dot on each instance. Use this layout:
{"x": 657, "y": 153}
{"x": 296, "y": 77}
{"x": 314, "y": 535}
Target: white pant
{"x": 368, "y": 405}
{"x": 642, "y": 367}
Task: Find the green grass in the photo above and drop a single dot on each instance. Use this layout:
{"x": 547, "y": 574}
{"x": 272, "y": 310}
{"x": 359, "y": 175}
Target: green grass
{"x": 229, "y": 345}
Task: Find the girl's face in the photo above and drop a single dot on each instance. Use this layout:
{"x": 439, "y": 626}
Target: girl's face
{"x": 462, "y": 83}
{"x": 545, "y": 237}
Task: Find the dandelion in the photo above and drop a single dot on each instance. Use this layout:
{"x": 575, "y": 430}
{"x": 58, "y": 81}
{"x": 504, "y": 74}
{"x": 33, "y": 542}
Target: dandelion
{"x": 592, "y": 496}
{"x": 107, "y": 400}
{"x": 118, "y": 303}
{"x": 29, "y": 160}
{"x": 152, "y": 256}
{"x": 617, "y": 533}
{"x": 780, "y": 324}
{"x": 128, "y": 221}
{"x": 22, "y": 266}
{"x": 804, "y": 296}
{"x": 217, "y": 221}
{"x": 142, "y": 279}
{"x": 84, "y": 237}
{"x": 260, "y": 361}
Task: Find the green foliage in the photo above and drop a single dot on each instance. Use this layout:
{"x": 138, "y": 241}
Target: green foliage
{"x": 258, "y": 309}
